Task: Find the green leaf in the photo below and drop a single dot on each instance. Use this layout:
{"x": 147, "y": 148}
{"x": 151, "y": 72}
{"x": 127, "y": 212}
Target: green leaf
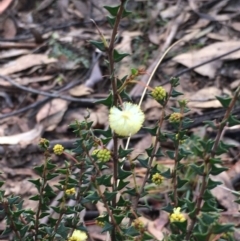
{"x": 123, "y": 174}
{"x": 182, "y": 226}
{"x": 232, "y": 121}
{"x": 107, "y": 101}
{"x": 159, "y": 153}
{"x": 50, "y": 176}
{"x": 122, "y": 184}
{"x": 93, "y": 196}
{"x": 225, "y": 101}
{"x": 175, "y": 93}
{"x": 109, "y": 195}
{"x": 222, "y": 228}
{"x": 207, "y": 219}
{"x": 123, "y": 153}
{"x": 208, "y": 206}
{"x": 212, "y": 184}
{"x": 23, "y": 230}
{"x": 112, "y": 10}
{"x": 151, "y": 131}
{"x": 118, "y": 218}
{"x": 174, "y": 81}
{"x": 125, "y": 96}
{"x": 134, "y": 71}
{"x": 207, "y": 195}
{"x": 171, "y": 154}
{"x": 107, "y": 227}
{"x": 167, "y": 174}
{"x": 215, "y": 170}
{"x": 149, "y": 151}
{"x": 62, "y": 231}
{"x": 98, "y": 45}
{"x": 37, "y": 183}
{"x": 147, "y": 236}
{"x": 35, "y": 198}
{"x": 200, "y": 236}
{"x": 143, "y": 162}
{"x": 223, "y": 148}
{"x": 106, "y": 133}
{"x": 197, "y": 169}
{"x": 13, "y": 200}
{"x": 111, "y": 20}
{"x": 131, "y": 231}
{"x": 186, "y": 122}
{"x": 181, "y": 182}
{"x": 168, "y": 208}
{"x": 39, "y": 170}
{"x": 104, "y": 180}
{"x": 117, "y": 56}
{"x": 211, "y": 124}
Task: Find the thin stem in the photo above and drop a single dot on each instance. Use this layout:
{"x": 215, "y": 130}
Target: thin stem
{"x": 110, "y": 51}
{"x": 153, "y": 151}
{"x": 174, "y": 174}
{"x": 207, "y": 157}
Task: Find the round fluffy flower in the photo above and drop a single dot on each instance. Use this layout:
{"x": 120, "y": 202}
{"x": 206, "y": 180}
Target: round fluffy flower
{"x": 175, "y": 117}
{"x": 128, "y": 121}
{"x": 159, "y": 93}
{"x": 157, "y": 179}
{"x": 70, "y": 191}
{"x": 177, "y": 216}
{"x": 58, "y": 149}
{"x": 103, "y": 155}
{"x": 78, "y": 236}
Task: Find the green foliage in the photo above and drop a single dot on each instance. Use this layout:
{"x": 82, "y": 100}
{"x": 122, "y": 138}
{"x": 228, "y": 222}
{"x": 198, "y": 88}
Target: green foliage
{"x": 82, "y": 177}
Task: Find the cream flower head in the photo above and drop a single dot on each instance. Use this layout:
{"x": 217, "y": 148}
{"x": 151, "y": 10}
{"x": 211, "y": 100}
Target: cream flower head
{"x": 78, "y": 236}
{"x": 128, "y": 121}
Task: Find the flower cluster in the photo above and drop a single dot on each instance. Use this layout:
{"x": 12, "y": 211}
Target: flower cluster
{"x": 159, "y": 93}
{"x": 78, "y": 236}
{"x": 70, "y": 191}
{"x": 157, "y": 179}
{"x": 175, "y": 117}
{"x": 138, "y": 224}
{"x": 128, "y": 121}
{"x": 103, "y": 155}
{"x": 58, "y": 149}
{"x": 177, "y": 216}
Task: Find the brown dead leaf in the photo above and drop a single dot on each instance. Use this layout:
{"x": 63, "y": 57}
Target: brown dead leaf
{"x": 25, "y": 62}
{"x": 151, "y": 228}
{"x": 206, "y": 98}
{"x": 9, "y": 28}
{"x": 80, "y": 90}
{"x": 23, "y": 138}
{"x": 212, "y": 51}
{"x": 13, "y": 53}
{"x": 4, "y": 5}
{"x": 51, "y": 113}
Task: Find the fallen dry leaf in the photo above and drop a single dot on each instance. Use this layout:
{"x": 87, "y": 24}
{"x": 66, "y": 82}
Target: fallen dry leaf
{"x": 207, "y": 53}
{"x": 23, "y": 138}
{"x": 25, "y": 62}
{"x": 80, "y": 90}
{"x": 4, "y": 5}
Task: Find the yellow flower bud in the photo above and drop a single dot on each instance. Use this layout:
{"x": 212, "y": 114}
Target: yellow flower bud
{"x": 70, "y": 191}
{"x": 159, "y": 93}
{"x": 175, "y": 117}
{"x": 177, "y": 216}
{"x": 78, "y": 236}
{"x": 157, "y": 179}
{"x": 58, "y": 149}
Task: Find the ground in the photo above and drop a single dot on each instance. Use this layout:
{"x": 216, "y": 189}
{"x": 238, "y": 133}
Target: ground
{"x": 50, "y": 75}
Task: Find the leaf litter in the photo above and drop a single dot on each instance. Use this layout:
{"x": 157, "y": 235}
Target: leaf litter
{"x": 43, "y": 52}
